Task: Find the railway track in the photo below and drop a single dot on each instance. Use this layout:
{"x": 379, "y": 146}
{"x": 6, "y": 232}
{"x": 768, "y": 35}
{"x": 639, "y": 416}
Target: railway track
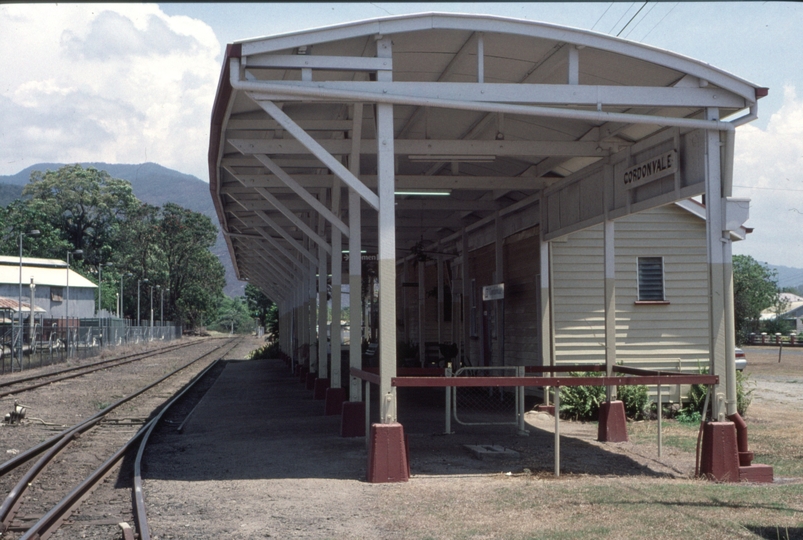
{"x": 24, "y": 384}
{"x": 73, "y": 469}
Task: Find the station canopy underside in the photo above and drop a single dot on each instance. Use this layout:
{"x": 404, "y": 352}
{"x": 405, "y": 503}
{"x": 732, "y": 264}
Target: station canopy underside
{"x": 496, "y": 115}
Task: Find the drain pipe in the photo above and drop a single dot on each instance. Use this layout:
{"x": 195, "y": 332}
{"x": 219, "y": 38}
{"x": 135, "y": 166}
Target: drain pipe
{"x": 730, "y": 322}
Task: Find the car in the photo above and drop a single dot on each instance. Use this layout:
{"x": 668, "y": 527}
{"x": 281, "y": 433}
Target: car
{"x": 741, "y": 360}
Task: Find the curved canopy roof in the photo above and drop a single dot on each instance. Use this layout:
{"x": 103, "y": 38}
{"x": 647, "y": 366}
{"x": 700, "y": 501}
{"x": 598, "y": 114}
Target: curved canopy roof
{"x": 487, "y": 110}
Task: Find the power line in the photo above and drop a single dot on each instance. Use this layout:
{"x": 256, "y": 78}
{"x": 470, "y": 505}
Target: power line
{"x": 659, "y": 22}
{"x": 631, "y": 19}
{"x": 601, "y": 16}
{"x": 622, "y": 17}
{"x": 641, "y": 20}
{"x": 769, "y": 188}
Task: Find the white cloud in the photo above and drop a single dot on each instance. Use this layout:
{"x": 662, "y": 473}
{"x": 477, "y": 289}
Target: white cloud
{"x": 117, "y": 83}
{"x": 768, "y": 168}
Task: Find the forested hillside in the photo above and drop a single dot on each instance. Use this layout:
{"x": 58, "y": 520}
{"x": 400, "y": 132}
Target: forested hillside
{"x": 152, "y": 184}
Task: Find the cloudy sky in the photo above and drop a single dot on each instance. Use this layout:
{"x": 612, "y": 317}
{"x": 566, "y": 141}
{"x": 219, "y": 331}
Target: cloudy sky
{"x": 130, "y": 83}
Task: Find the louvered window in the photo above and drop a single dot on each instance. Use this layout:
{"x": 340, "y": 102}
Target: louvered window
{"x": 650, "y": 279}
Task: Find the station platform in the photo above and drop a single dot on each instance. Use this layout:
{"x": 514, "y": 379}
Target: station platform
{"x": 259, "y": 421}
{"x": 259, "y": 449}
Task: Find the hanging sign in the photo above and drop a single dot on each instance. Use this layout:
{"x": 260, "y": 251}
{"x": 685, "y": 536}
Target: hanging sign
{"x": 493, "y": 292}
{"x": 650, "y": 170}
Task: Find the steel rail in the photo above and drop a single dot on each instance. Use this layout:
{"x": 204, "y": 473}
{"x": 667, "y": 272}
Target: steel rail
{"x": 106, "y": 365}
{"x": 139, "y": 495}
{"x": 67, "y": 370}
{"x": 22, "y": 457}
{"x": 53, "y": 519}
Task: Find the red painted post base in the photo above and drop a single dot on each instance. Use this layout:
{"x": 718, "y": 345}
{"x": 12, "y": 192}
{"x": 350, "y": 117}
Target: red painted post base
{"x": 309, "y": 383}
{"x": 720, "y": 453}
{"x": 334, "y": 401}
{"x": 319, "y": 389}
{"x": 387, "y": 454}
{"x": 546, "y": 408}
{"x": 352, "y": 419}
{"x": 758, "y": 473}
{"x": 612, "y": 422}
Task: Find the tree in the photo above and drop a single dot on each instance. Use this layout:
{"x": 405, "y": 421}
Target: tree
{"x": 754, "y": 289}
{"x": 234, "y": 316}
{"x": 194, "y": 275}
{"x": 20, "y": 217}
{"x": 259, "y": 305}
{"x": 272, "y": 323}
{"x": 87, "y": 206}
{"x": 87, "y": 209}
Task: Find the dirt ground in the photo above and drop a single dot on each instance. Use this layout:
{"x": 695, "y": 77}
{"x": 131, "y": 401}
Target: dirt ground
{"x": 294, "y": 477}
{"x": 259, "y": 460}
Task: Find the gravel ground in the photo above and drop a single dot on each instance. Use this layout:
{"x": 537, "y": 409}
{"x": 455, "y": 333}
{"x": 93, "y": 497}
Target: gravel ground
{"x": 53, "y": 407}
{"x": 258, "y": 459}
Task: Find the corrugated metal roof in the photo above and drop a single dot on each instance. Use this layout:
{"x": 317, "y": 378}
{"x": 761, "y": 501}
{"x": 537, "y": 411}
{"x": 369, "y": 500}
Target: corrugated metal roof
{"x": 56, "y": 277}
{"x": 10, "y": 304}
{"x": 33, "y": 261}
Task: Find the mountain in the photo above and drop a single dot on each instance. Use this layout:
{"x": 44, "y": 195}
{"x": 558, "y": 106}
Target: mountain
{"x": 9, "y": 193}
{"x": 152, "y": 184}
{"x": 788, "y": 276}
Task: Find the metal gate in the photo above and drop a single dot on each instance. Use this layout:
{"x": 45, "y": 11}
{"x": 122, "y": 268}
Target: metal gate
{"x": 488, "y": 405}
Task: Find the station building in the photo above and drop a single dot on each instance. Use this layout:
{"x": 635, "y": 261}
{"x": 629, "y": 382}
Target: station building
{"x": 534, "y": 196}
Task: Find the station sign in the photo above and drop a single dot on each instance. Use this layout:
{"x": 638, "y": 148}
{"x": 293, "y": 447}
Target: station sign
{"x": 363, "y": 256}
{"x": 493, "y": 292}
{"x": 650, "y": 170}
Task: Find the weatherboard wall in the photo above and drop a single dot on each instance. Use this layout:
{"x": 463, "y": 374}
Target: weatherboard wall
{"x": 661, "y": 336}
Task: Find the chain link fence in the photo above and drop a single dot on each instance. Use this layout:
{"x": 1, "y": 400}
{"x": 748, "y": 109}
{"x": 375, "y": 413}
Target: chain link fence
{"x": 487, "y": 406}
{"x": 20, "y": 349}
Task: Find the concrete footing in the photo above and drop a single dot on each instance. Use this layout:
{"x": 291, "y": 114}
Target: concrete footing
{"x": 387, "y": 454}
{"x": 334, "y": 401}
{"x": 352, "y": 419}
{"x": 309, "y": 382}
{"x": 719, "y": 459}
{"x": 612, "y": 422}
{"x": 546, "y": 408}
{"x": 319, "y": 388}
{"x": 725, "y": 457}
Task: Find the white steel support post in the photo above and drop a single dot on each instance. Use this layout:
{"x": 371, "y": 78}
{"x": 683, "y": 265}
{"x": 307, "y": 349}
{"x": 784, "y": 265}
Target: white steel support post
{"x": 323, "y": 365}
{"x": 387, "y": 248}
{"x": 499, "y": 273}
{"x": 295, "y": 341}
{"x": 716, "y": 265}
{"x": 405, "y": 307}
{"x": 466, "y": 299}
{"x": 355, "y": 261}
{"x": 299, "y": 329}
{"x": 422, "y": 293}
{"x": 337, "y": 280}
{"x": 440, "y": 298}
{"x": 312, "y": 320}
{"x": 610, "y": 304}
{"x": 546, "y": 298}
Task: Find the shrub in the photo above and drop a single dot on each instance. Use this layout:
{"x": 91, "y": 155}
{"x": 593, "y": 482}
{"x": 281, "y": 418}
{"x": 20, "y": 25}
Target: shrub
{"x": 744, "y": 392}
{"x": 581, "y": 402}
{"x": 696, "y": 396}
{"x": 636, "y": 400}
{"x": 270, "y": 350}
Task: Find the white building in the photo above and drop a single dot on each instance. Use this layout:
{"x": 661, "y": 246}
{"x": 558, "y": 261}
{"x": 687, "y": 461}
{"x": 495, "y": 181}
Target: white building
{"x": 53, "y": 284}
